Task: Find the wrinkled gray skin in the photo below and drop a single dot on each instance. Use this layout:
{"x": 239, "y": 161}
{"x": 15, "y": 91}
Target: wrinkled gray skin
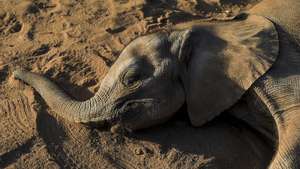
{"x": 148, "y": 84}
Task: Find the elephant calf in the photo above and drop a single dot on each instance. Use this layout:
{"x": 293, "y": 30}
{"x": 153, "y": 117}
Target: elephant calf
{"x": 209, "y": 66}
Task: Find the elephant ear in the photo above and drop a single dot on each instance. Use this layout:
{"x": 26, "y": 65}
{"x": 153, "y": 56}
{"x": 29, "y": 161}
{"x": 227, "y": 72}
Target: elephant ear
{"x": 223, "y": 61}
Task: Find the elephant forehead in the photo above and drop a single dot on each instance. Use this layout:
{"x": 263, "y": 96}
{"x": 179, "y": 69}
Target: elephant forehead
{"x": 124, "y": 64}
{"x": 149, "y": 43}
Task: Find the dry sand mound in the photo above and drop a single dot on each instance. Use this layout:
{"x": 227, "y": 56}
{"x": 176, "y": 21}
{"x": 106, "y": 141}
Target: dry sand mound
{"x": 74, "y": 42}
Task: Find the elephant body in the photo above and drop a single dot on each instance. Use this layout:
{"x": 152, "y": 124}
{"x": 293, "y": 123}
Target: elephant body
{"x": 248, "y": 68}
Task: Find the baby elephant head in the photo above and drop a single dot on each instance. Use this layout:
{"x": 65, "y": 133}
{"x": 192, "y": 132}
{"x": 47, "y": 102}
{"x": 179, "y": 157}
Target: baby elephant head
{"x": 208, "y": 66}
{"x": 143, "y": 87}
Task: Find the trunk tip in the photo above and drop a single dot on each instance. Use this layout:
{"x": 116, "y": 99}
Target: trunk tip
{"x": 18, "y": 73}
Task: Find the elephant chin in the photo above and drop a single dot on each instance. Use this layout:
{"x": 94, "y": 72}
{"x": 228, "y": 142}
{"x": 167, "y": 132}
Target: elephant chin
{"x": 129, "y": 113}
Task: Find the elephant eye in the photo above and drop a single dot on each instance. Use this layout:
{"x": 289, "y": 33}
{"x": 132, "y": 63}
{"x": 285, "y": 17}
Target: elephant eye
{"x": 131, "y": 77}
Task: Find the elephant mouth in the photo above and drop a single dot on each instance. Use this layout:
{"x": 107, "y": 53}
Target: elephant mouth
{"x": 128, "y": 110}
{"x": 133, "y": 104}
{"x": 127, "y": 113}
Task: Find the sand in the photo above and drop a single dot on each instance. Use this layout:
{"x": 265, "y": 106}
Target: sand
{"x": 74, "y": 42}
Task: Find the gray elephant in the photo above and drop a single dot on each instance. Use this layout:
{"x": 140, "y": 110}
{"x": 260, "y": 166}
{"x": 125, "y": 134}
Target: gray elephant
{"x": 248, "y": 67}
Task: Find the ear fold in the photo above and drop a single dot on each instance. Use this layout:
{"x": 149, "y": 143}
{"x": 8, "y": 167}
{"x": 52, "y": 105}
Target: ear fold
{"x": 181, "y": 44}
{"x": 226, "y": 59}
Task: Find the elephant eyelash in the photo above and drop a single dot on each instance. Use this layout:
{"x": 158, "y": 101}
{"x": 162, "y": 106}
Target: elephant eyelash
{"x": 130, "y": 78}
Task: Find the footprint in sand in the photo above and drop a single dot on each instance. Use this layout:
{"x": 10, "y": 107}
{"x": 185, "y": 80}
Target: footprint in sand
{"x": 17, "y": 123}
{"x": 9, "y": 24}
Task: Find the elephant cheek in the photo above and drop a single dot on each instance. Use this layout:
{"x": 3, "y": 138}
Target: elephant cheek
{"x": 143, "y": 116}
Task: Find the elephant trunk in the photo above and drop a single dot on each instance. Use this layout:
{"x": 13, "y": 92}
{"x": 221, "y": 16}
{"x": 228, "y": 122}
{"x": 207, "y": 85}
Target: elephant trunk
{"x": 72, "y": 110}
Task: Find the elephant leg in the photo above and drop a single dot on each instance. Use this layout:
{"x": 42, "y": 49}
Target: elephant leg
{"x": 281, "y": 131}
{"x": 288, "y": 151}
{"x": 281, "y": 97}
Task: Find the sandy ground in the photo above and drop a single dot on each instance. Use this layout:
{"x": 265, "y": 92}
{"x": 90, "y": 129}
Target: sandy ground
{"x": 74, "y": 42}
